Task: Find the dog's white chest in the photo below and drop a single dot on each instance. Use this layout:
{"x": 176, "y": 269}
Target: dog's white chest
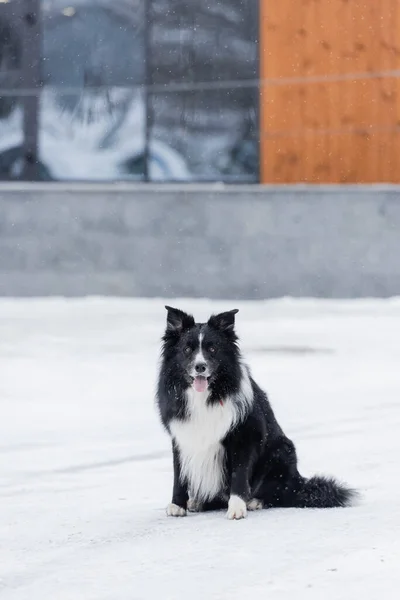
{"x": 199, "y": 442}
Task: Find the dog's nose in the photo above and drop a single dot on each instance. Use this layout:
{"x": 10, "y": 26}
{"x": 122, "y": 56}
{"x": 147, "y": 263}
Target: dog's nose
{"x": 200, "y": 367}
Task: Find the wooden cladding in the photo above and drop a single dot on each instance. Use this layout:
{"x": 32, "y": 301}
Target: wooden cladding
{"x": 329, "y": 107}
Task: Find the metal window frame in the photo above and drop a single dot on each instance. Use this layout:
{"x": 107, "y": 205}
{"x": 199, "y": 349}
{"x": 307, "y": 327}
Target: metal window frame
{"x": 24, "y": 19}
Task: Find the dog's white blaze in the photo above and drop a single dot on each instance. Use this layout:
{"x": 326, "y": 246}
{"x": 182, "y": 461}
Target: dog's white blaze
{"x": 199, "y": 437}
{"x": 199, "y": 358}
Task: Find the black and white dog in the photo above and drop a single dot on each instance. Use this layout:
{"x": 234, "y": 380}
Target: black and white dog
{"x": 228, "y": 449}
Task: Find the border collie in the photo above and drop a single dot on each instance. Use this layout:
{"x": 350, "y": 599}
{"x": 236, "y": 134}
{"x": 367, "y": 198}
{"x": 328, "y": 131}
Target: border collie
{"x": 228, "y": 449}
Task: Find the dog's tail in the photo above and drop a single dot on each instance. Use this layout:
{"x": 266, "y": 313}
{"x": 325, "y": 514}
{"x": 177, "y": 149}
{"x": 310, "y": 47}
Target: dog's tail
{"x": 323, "y": 492}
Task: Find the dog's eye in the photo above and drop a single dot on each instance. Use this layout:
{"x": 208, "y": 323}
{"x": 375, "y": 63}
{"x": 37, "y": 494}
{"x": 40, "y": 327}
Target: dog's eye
{"x": 187, "y": 350}
{"x": 211, "y": 349}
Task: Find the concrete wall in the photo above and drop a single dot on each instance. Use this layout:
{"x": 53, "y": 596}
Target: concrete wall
{"x": 203, "y": 241}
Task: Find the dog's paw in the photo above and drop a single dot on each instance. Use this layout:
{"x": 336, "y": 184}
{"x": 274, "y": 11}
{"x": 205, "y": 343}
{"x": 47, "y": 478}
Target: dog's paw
{"x": 194, "y": 505}
{"x": 173, "y": 510}
{"x": 236, "y": 508}
{"x": 255, "y": 504}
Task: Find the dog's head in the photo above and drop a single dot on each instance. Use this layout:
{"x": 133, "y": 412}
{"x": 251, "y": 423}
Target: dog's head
{"x": 201, "y": 350}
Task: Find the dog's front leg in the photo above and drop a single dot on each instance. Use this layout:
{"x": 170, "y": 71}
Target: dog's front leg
{"x": 177, "y": 508}
{"x": 242, "y": 460}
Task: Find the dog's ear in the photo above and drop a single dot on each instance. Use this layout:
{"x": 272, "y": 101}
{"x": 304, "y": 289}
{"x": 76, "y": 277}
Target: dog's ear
{"x": 224, "y": 321}
{"x": 177, "y": 320}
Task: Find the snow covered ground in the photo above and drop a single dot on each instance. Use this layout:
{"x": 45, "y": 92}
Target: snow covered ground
{"x": 85, "y": 468}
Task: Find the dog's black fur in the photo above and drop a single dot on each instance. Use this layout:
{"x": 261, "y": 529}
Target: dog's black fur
{"x": 258, "y": 460}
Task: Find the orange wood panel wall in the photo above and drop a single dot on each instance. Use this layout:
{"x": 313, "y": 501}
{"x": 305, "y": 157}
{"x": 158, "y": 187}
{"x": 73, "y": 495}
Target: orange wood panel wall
{"x": 343, "y": 124}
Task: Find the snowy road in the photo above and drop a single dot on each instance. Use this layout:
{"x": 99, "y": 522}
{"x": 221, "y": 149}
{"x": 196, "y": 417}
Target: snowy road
{"x": 85, "y": 469}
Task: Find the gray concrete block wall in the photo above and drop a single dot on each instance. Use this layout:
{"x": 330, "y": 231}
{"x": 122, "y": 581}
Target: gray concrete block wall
{"x": 202, "y": 241}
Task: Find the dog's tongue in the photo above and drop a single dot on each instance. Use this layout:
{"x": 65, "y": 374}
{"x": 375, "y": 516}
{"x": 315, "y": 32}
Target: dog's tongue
{"x": 200, "y": 383}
